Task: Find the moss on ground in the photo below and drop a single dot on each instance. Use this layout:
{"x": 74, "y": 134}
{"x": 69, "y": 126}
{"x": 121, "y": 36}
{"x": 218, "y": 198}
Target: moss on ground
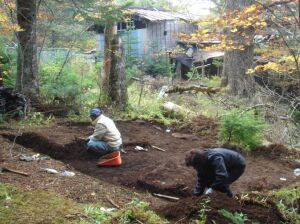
{"x": 287, "y": 202}
{"x": 34, "y": 206}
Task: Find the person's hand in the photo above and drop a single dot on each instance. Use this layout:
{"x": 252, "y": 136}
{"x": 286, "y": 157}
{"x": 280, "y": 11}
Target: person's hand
{"x": 209, "y": 191}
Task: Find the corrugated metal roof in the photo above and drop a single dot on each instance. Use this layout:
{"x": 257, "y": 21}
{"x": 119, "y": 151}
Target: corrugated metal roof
{"x": 204, "y": 55}
{"x": 157, "y": 15}
{"x": 197, "y": 57}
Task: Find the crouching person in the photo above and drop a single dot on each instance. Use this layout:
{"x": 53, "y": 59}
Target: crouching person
{"x": 216, "y": 168}
{"x": 106, "y": 140}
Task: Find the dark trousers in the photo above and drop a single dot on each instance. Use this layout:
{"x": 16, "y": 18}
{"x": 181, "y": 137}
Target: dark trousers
{"x": 233, "y": 175}
{"x": 100, "y": 148}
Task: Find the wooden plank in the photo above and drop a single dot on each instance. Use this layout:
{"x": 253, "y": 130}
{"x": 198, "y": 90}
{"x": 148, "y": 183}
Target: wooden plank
{"x": 4, "y": 169}
{"x": 166, "y": 197}
{"x": 112, "y": 202}
{"x": 158, "y": 148}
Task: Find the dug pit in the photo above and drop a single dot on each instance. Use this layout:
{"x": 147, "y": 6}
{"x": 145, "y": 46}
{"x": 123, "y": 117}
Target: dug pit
{"x": 164, "y": 172}
{"x": 154, "y": 170}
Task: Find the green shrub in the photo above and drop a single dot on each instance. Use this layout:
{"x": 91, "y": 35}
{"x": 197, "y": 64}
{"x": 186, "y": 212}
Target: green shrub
{"x": 8, "y": 64}
{"x": 132, "y": 71}
{"x": 157, "y": 66}
{"x": 58, "y": 89}
{"x": 241, "y": 128}
{"x": 72, "y": 87}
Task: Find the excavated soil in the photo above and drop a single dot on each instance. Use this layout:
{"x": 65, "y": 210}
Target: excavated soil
{"x": 158, "y": 171}
{"x": 189, "y": 208}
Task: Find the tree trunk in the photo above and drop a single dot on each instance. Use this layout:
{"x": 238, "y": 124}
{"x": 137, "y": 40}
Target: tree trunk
{"x": 27, "y": 81}
{"x": 1, "y": 78}
{"x": 237, "y": 62}
{"x": 109, "y": 33}
{"x": 117, "y": 83}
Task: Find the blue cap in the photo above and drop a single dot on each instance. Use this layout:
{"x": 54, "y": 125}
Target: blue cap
{"x": 95, "y": 112}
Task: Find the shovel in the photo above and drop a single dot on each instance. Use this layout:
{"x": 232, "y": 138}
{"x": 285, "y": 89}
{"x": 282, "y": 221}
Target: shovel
{"x": 4, "y": 169}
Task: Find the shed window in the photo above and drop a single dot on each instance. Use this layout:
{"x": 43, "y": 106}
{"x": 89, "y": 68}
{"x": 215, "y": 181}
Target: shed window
{"x": 131, "y": 25}
{"x": 125, "y": 26}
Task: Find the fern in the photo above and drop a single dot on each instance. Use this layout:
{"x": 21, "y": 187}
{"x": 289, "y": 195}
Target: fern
{"x": 235, "y": 218}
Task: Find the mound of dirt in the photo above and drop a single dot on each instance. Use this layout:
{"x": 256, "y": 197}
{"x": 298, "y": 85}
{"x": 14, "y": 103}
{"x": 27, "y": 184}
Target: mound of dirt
{"x": 189, "y": 208}
{"x": 200, "y": 125}
{"x": 276, "y": 151}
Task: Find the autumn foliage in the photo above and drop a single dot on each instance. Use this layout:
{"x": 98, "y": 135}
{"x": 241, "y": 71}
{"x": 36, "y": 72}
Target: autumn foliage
{"x": 6, "y": 23}
{"x": 229, "y": 25}
{"x": 276, "y": 22}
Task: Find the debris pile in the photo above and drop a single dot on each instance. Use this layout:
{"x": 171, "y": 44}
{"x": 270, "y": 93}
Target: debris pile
{"x": 12, "y": 103}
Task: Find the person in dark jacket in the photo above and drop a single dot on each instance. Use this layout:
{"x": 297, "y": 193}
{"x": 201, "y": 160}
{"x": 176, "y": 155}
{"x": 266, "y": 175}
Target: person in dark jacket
{"x": 216, "y": 168}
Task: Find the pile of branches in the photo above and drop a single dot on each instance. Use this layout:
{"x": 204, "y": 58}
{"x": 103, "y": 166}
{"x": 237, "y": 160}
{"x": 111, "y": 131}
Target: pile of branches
{"x": 12, "y": 103}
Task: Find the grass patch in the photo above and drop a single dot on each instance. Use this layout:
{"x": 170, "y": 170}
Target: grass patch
{"x": 134, "y": 212}
{"x": 145, "y": 106}
{"x": 35, "y": 206}
{"x": 18, "y": 206}
{"x": 286, "y": 200}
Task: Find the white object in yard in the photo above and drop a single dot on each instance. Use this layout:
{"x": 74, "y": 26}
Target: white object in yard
{"x": 107, "y": 210}
{"x": 49, "y": 170}
{"x": 168, "y": 130}
{"x": 36, "y": 156}
{"x": 68, "y": 174}
{"x": 297, "y": 172}
{"x": 282, "y": 178}
{"x": 162, "y": 92}
{"x": 173, "y": 110}
{"x": 140, "y": 148}
{"x": 29, "y": 158}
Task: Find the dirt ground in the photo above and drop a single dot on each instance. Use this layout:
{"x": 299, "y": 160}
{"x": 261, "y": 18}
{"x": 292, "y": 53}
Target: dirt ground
{"x": 188, "y": 208}
{"x": 148, "y": 172}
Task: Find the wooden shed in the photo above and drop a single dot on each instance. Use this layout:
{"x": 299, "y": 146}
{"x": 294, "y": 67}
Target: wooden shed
{"x": 148, "y": 32}
{"x": 194, "y": 59}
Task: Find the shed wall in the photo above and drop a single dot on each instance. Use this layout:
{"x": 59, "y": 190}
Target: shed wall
{"x": 144, "y": 43}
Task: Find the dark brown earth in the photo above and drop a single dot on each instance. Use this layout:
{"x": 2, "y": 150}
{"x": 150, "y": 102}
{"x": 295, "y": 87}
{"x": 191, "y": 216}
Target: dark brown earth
{"x": 153, "y": 171}
{"x": 188, "y": 208}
